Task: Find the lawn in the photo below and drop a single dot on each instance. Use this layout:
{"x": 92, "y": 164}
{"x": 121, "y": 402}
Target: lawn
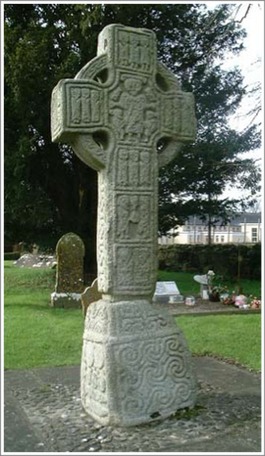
{"x": 235, "y": 338}
{"x": 36, "y": 334}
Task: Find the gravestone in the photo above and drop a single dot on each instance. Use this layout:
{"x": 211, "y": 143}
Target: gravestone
{"x": 164, "y": 290}
{"x": 91, "y": 294}
{"x": 124, "y": 114}
{"x": 70, "y": 253}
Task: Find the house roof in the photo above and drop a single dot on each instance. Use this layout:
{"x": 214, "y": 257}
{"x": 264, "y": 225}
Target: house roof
{"x": 246, "y": 217}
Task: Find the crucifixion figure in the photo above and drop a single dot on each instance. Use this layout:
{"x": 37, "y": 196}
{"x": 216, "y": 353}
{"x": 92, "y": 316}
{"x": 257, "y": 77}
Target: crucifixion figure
{"x": 124, "y": 115}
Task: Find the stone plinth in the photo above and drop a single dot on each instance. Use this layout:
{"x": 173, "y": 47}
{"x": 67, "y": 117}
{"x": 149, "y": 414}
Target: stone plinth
{"x": 136, "y": 366}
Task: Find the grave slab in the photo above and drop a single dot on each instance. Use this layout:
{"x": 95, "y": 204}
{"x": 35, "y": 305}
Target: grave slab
{"x": 164, "y": 290}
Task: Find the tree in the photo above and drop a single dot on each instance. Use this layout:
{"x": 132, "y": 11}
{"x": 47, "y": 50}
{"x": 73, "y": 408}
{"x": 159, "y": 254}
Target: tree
{"x": 42, "y": 178}
{"x": 47, "y": 188}
{"x": 194, "y": 183}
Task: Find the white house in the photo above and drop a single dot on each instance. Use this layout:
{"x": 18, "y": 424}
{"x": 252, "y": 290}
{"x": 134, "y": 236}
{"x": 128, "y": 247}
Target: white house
{"x": 244, "y": 228}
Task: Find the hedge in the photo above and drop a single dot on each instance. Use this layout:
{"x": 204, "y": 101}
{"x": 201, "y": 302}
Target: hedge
{"x": 229, "y": 260}
{"x": 11, "y": 256}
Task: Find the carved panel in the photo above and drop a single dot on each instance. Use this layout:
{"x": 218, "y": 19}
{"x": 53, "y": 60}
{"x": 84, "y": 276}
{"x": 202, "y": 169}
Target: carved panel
{"x": 93, "y": 378}
{"x": 133, "y": 110}
{"x": 171, "y": 113}
{"x": 103, "y": 235}
{"x": 157, "y": 370}
{"x": 133, "y": 168}
{"x": 134, "y": 217}
{"x": 134, "y": 268}
{"x": 136, "y": 318}
{"x": 188, "y": 119}
{"x": 96, "y": 319}
{"x": 135, "y": 50}
{"x": 85, "y": 106}
{"x": 56, "y": 113}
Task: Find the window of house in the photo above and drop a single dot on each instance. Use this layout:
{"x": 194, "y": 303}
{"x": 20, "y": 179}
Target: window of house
{"x": 216, "y": 238}
{"x": 254, "y": 234}
{"x": 222, "y": 239}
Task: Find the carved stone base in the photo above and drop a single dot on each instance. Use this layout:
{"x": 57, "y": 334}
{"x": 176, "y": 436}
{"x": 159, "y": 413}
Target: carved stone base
{"x": 135, "y": 364}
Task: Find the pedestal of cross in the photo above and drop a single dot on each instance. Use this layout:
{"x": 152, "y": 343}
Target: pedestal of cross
{"x": 125, "y": 115}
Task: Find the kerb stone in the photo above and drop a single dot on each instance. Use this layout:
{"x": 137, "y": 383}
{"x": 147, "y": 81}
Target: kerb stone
{"x": 125, "y": 115}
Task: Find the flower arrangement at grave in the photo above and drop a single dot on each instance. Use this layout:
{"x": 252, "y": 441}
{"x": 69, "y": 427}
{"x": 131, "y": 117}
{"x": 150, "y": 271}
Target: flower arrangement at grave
{"x": 229, "y": 299}
{"x": 236, "y": 299}
{"x": 217, "y": 291}
{"x": 242, "y": 301}
{"x": 220, "y": 293}
{"x": 254, "y": 302}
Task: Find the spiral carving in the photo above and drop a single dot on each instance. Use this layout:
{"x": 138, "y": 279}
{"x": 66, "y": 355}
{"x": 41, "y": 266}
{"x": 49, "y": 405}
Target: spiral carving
{"x": 152, "y": 371}
{"x": 176, "y": 367}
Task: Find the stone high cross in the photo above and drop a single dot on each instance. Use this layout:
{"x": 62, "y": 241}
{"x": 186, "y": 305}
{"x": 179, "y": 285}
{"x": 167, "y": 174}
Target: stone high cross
{"x": 125, "y": 115}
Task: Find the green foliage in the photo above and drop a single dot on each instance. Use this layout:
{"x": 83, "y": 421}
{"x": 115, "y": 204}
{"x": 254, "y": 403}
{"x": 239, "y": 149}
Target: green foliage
{"x": 230, "y": 337}
{"x": 233, "y": 261}
{"x": 11, "y": 256}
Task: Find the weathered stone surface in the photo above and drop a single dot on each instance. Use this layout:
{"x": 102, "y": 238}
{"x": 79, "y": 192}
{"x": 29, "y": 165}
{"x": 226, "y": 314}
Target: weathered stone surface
{"x": 135, "y": 365}
{"x": 91, "y": 294}
{"x": 70, "y": 253}
{"x": 125, "y": 116}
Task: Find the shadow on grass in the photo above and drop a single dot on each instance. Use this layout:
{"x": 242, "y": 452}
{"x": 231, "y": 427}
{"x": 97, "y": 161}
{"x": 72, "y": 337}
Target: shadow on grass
{"x": 43, "y": 307}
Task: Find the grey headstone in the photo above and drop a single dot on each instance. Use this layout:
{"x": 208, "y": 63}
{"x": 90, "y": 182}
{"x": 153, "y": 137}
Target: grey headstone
{"x": 70, "y": 253}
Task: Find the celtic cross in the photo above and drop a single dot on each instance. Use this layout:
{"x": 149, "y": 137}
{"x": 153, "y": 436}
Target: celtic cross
{"x": 125, "y": 116}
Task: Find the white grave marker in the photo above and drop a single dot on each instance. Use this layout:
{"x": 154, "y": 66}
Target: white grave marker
{"x": 164, "y": 290}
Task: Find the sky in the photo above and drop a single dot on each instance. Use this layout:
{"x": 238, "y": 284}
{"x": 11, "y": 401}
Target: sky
{"x": 251, "y": 63}
{"x": 249, "y": 60}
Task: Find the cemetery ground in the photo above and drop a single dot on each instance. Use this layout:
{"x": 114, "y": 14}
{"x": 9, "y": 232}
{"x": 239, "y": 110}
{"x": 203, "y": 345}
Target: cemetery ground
{"x": 38, "y": 335}
{"x": 43, "y": 345}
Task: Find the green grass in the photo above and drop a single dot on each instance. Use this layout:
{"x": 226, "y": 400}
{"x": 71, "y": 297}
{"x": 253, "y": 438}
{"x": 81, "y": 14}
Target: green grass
{"x": 36, "y": 334}
{"x": 231, "y": 337}
{"x": 187, "y": 285}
